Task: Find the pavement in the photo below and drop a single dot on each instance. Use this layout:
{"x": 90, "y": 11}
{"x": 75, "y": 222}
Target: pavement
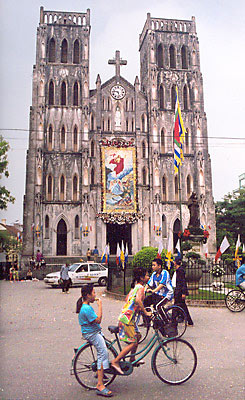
{"x": 39, "y": 330}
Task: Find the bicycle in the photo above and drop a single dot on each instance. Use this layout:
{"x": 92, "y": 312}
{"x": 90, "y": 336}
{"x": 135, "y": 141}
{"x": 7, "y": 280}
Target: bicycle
{"x": 235, "y": 300}
{"x": 173, "y": 325}
{"x": 173, "y": 361}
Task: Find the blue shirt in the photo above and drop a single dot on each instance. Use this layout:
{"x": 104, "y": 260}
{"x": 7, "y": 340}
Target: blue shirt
{"x": 163, "y": 279}
{"x": 86, "y": 319}
{"x": 240, "y": 275}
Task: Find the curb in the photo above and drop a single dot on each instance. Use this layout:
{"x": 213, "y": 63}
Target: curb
{"x": 189, "y": 302}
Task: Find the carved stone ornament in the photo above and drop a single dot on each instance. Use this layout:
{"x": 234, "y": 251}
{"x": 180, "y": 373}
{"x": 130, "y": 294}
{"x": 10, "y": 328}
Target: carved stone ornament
{"x": 171, "y": 76}
{"x": 64, "y": 73}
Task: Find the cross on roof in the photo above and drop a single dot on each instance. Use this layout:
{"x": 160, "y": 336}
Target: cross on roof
{"x": 117, "y": 61}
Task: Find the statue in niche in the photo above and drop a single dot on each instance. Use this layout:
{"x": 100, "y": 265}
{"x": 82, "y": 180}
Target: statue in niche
{"x": 193, "y": 206}
{"x": 118, "y": 117}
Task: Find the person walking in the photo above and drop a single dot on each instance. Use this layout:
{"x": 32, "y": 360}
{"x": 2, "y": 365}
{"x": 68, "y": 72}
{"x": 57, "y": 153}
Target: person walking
{"x": 181, "y": 291}
{"x": 65, "y": 278}
{"x": 95, "y": 253}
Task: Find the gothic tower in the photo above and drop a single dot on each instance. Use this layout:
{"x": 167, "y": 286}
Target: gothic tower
{"x": 169, "y": 56}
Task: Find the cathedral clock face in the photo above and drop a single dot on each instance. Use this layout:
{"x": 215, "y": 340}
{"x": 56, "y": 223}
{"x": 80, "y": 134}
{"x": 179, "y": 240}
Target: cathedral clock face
{"x": 118, "y": 92}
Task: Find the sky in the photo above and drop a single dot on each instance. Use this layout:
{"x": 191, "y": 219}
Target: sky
{"x": 116, "y": 25}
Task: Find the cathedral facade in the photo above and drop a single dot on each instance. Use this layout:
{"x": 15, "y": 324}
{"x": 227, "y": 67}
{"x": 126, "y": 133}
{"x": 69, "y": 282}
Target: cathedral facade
{"x": 100, "y": 163}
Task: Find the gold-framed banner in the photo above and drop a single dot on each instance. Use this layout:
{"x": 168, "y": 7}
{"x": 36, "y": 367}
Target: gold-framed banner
{"x": 119, "y": 176}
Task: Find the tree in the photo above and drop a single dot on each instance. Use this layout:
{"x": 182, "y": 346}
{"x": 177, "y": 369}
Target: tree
{"x": 230, "y": 219}
{"x": 5, "y": 196}
{"x": 145, "y": 256}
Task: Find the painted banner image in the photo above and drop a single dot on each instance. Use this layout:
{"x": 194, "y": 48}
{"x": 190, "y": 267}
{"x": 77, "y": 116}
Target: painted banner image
{"x": 119, "y": 179}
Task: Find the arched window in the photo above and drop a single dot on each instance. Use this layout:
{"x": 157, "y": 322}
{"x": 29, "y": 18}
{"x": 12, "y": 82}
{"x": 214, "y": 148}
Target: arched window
{"x": 184, "y": 59}
{"x": 103, "y": 125}
{"x": 75, "y": 147}
{"x": 185, "y": 97}
{"x": 164, "y": 189}
{"x": 109, "y": 124}
{"x": 162, "y": 141}
{"x": 132, "y": 104}
{"x": 92, "y": 148}
{"x": 144, "y": 176}
{"x": 127, "y": 125}
{"x": 142, "y": 123}
{"x": 46, "y": 227}
{"x": 132, "y": 125}
{"x": 75, "y": 94}
{"x": 126, "y": 104}
{"x": 51, "y": 93}
{"x": 62, "y": 188}
{"x": 188, "y": 186}
{"x": 173, "y": 97}
{"x": 161, "y": 98}
{"x": 77, "y": 227}
{"x": 64, "y": 51}
{"x": 50, "y": 138}
{"x": 164, "y": 226}
{"x": 187, "y": 141}
{"x": 108, "y": 104}
{"x": 49, "y": 188}
{"x": 160, "y": 56}
{"x": 51, "y": 50}
{"x": 92, "y": 122}
{"x": 76, "y": 52}
{"x": 172, "y": 56}
{"x": 63, "y": 139}
{"x": 176, "y": 189}
{"x": 143, "y": 150}
{"x": 63, "y": 94}
{"x": 92, "y": 176}
{"x": 74, "y": 188}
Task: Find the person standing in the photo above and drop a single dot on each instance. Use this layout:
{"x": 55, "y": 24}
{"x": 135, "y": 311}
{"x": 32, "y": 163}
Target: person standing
{"x": 65, "y": 278}
{"x": 95, "y": 253}
{"x": 181, "y": 290}
{"x": 88, "y": 254}
{"x": 39, "y": 257}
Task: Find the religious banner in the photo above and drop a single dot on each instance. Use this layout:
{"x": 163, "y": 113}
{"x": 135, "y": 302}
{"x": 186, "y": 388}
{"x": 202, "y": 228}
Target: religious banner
{"x": 119, "y": 179}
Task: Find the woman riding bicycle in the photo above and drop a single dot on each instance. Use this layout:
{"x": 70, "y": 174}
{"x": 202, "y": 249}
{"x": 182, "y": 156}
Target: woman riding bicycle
{"x": 240, "y": 275}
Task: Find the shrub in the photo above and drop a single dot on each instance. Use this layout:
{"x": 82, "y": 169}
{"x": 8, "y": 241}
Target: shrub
{"x": 145, "y": 256}
{"x": 194, "y": 255}
{"x": 185, "y": 246}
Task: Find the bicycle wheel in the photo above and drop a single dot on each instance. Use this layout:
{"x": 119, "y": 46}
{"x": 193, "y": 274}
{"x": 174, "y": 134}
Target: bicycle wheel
{"x": 235, "y": 300}
{"x": 175, "y": 363}
{"x": 85, "y": 366}
{"x": 143, "y": 325}
{"x": 177, "y": 316}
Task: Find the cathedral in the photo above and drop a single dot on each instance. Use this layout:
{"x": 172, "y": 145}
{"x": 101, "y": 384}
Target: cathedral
{"x": 100, "y": 166}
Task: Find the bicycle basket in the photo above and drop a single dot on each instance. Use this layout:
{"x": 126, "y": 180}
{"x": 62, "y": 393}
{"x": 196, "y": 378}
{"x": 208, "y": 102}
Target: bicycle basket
{"x": 170, "y": 330}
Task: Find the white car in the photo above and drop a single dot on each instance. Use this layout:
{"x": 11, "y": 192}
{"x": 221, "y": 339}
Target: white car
{"x": 80, "y": 274}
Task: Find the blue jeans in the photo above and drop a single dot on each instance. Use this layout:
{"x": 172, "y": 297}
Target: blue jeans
{"x": 98, "y": 341}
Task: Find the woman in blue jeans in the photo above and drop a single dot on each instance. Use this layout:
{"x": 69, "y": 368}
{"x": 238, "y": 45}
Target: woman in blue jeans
{"x": 91, "y": 331}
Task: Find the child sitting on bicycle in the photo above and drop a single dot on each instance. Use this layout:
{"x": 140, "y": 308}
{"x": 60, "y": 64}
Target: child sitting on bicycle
{"x": 91, "y": 331}
{"x": 128, "y": 330}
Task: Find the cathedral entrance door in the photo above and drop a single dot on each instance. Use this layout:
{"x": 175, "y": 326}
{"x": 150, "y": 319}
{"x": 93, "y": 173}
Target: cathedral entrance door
{"x": 176, "y": 230}
{"x": 61, "y": 238}
{"x": 116, "y": 233}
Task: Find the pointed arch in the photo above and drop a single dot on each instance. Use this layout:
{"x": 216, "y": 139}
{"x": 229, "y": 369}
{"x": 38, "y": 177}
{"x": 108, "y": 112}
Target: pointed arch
{"x": 185, "y": 98}
{"x": 75, "y": 188}
{"x": 172, "y": 56}
{"x": 75, "y": 94}
{"x": 61, "y": 248}
{"x": 64, "y": 51}
{"x": 51, "y": 51}
{"x": 164, "y": 189}
{"x": 160, "y": 60}
{"x": 163, "y": 140}
{"x": 76, "y": 227}
{"x": 173, "y": 97}
{"x": 49, "y": 186}
{"x": 51, "y": 93}
{"x": 62, "y": 188}
{"x": 161, "y": 97}
{"x": 76, "y": 55}
{"x": 75, "y": 139}
{"x": 50, "y": 138}
{"x": 46, "y": 224}
{"x": 176, "y": 188}
{"x": 63, "y": 139}
{"x": 184, "y": 57}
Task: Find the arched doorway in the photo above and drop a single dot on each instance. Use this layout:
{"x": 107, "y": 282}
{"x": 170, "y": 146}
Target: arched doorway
{"x": 61, "y": 238}
{"x": 176, "y": 230}
{"x": 115, "y": 233}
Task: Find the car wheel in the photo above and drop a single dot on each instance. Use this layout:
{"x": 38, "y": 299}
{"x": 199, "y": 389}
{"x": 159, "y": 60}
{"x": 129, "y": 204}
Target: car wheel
{"x": 103, "y": 281}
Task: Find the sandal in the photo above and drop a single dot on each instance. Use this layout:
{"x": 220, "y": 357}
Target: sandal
{"x": 105, "y": 392}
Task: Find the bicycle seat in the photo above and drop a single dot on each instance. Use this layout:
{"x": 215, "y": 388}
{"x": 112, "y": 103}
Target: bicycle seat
{"x": 113, "y": 329}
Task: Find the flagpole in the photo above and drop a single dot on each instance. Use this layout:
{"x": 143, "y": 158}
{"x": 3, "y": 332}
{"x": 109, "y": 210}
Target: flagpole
{"x": 180, "y": 200}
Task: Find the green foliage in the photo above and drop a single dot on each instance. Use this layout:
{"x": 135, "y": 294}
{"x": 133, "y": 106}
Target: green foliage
{"x": 145, "y": 256}
{"x": 5, "y": 196}
{"x": 230, "y": 219}
{"x": 185, "y": 246}
{"x": 193, "y": 254}
{"x": 9, "y": 243}
{"x": 195, "y": 230}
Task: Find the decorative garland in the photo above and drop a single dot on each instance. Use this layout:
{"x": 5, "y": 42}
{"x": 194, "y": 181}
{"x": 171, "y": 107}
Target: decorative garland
{"x": 120, "y": 142}
{"x": 120, "y": 218}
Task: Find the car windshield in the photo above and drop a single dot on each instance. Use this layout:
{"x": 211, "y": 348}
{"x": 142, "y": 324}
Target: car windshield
{"x": 73, "y": 267}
